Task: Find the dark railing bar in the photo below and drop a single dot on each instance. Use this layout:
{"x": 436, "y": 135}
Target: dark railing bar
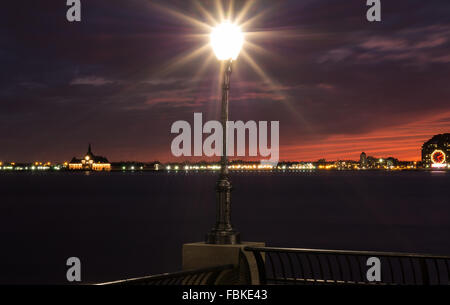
{"x": 361, "y": 273}
{"x": 346, "y": 252}
{"x": 202, "y": 276}
{"x": 165, "y": 276}
{"x": 330, "y": 269}
{"x": 341, "y": 272}
{"x": 300, "y": 262}
{"x": 424, "y": 271}
{"x": 282, "y": 265}
{"x": 291, "y": 265}
{"x": 322, "y": 275}
{"x": 272, "y": 264}
{"x": 321, "y": 281}
{"x": 413, "y": 270}
{"x": 352, "y": 278}
{"x": 391, "y": 270}
{"x": 437, "y": 271}
{"x": 403, "y": 270}
{"x": 211, "y": 280}
{"x": 173, "y": 281}
{"x": 448, "y": 270}
{"x": 194, "y": 278}
{"x": 261, "y": 267}
{"x": 310, "y": 266}
{"x": 187, "y": 279}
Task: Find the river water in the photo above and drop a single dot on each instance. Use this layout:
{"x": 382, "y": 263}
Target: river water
{"x": 124, "y": 225}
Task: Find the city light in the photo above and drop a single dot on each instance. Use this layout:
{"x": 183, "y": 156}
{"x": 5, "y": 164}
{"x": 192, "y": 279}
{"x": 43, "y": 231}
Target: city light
{"x": 438, "y": 157}
{"x": 439, "y": 165}
{"x": 233, "y": 166}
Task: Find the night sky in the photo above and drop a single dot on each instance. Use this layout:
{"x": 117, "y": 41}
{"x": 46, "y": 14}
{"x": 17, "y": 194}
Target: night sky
{"x": 118, "y": 79}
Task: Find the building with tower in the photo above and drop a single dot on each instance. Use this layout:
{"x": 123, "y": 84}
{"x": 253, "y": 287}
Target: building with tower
{"x": 90, "y": 162}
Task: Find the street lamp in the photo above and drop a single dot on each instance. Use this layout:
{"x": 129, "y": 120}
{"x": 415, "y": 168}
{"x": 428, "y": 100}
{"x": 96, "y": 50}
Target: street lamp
{"x": 226, "y": 40}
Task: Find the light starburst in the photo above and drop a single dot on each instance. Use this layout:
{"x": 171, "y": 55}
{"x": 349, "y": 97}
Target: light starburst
{"x": 210, "y": 17}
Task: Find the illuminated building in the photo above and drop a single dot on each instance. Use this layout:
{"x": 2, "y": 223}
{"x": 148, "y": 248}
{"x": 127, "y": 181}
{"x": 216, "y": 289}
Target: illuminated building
{"x": 436, "y": 151}
{"x": 90, "y": 162}
{"x": 363, "y": 160}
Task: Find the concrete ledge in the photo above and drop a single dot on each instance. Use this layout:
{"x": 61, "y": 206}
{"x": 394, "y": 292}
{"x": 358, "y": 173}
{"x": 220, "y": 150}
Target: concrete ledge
{"x": 202, "y": 255}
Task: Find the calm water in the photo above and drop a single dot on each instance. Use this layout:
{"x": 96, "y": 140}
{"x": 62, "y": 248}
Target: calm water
{"x": 133, "y": 224}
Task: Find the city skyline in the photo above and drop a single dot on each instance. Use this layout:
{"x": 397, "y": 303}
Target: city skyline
{"x": 354, "y": 155}
{"x": 343, "y": 85}
{"x": 211, "y": 160}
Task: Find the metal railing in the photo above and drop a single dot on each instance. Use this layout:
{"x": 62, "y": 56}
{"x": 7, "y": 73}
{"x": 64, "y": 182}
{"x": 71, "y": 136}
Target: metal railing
{"x": 312, "y": 266}
{"x": 205, "y": 276}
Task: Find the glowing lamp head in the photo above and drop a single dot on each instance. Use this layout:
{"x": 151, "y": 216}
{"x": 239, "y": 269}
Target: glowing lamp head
{"x": 227, "y": 40}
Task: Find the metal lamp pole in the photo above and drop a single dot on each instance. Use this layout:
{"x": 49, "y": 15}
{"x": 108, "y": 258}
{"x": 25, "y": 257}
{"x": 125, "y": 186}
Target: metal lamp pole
{"x": 223, "y": 232}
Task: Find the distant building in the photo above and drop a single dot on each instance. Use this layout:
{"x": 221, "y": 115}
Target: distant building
{"x": 391, "y": 162}
{"x": 436, "y": 151}
{"x": 90, "y": 162}
{"x": 363, "y": 159}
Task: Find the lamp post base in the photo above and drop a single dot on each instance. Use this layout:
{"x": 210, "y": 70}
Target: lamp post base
{"x": 223, "y": 237}
{"x": 223, "y": 232}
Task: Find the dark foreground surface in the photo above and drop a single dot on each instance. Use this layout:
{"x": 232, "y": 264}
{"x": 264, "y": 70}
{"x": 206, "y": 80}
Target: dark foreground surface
{"x": 125, "y": 225}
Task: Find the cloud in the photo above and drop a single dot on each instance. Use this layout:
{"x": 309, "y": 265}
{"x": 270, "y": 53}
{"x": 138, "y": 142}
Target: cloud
{"x": 91, "y": 81}
{"x": 164, "y": 81}
{"x": 336, "y": 55}
{"x": 433, "y": 42}
{"x": 417, "y": 46}
{"x": 385, "y": 44}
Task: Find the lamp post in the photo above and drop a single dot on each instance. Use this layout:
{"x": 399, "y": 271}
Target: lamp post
{"x": 226, "y": 41}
